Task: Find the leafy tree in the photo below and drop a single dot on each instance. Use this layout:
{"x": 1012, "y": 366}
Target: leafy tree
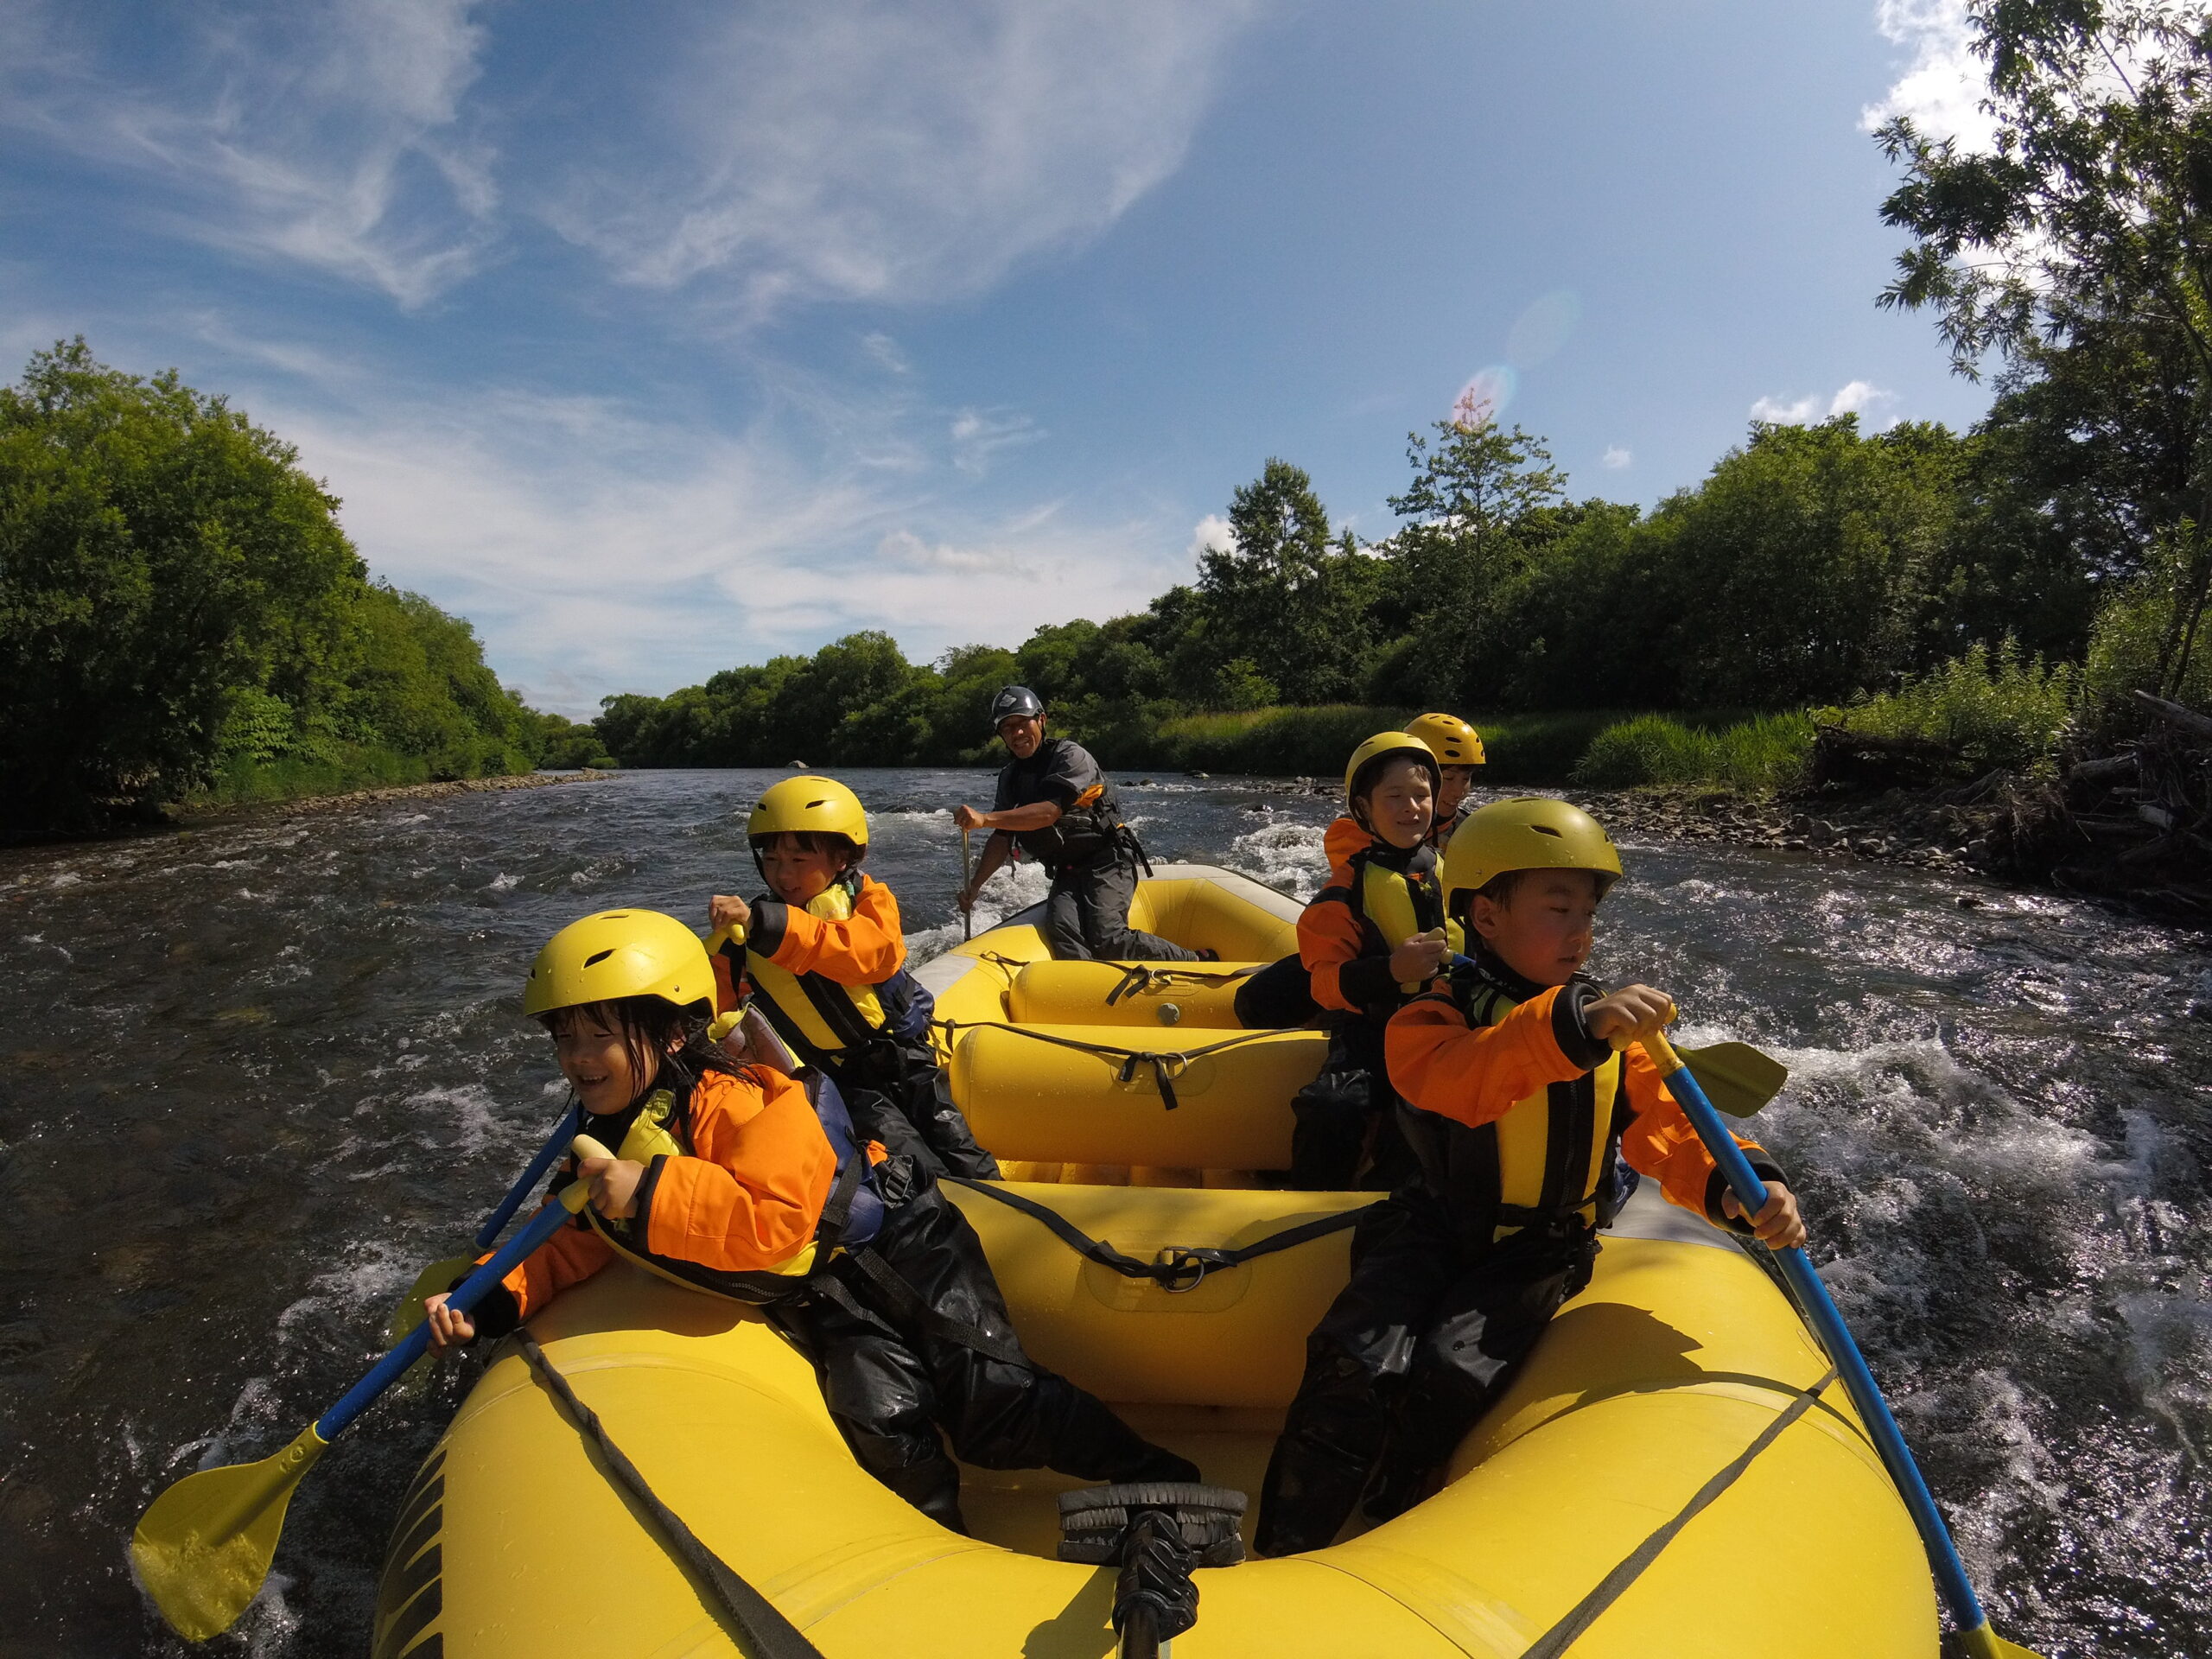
{"x": 2077, "y": 249}
{"x": 1461, "y": 552}
{"x": 159, "y": 553}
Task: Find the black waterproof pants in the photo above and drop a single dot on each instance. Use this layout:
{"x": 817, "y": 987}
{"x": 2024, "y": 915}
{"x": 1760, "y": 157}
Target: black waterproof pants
{"x": 1087, "y": 916}
{"x": 1345, "y": 1128}
{"x": 1279, "y": 996}
{"x": 899, "y": 1389}
{"x": 900, "y": 1098}
{"x": 1425, "y": 1335}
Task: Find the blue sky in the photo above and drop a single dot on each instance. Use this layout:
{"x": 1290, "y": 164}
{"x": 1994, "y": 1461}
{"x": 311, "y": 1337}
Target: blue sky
{"x": 654, "y": 338}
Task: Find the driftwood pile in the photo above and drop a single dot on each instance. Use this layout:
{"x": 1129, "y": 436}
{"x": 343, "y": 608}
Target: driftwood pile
{"x": 2135, "y": 823}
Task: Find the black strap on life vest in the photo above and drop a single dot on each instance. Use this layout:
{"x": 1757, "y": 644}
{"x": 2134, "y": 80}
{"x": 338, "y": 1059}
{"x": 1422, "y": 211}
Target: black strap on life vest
{"x": 1554, "y": 1643}
{"x": 765, "y": 1633}
{"x": 838, "y": 1210}
{"x": 1182, "y": 1269}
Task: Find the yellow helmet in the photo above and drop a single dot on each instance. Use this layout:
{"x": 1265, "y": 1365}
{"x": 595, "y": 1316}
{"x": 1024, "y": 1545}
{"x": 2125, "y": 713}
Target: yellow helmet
{"x": 1387, "y": 746}
{"x": 619, "y": 953}
{"x": 1454, "y": 741}
{"x": 823, "y": 804}
{"x": 1531, "y": 832}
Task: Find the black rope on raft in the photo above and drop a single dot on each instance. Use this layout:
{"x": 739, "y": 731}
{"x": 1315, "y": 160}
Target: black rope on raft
{"x": 765, "y": 1632}
{"x": 1142, "y": 979}
{"x": 1167, "y": 1064}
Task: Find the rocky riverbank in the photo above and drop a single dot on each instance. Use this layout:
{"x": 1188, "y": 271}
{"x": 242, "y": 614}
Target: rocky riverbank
{"x": 310, "y": 806}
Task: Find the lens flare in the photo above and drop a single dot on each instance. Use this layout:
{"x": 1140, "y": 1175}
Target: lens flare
{"x": 1483, "y": 398}
{"x": 1543, "y": 328}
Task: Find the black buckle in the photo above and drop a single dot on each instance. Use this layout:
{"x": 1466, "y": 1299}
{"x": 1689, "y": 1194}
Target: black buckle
{"x": 1177, "y": 1271}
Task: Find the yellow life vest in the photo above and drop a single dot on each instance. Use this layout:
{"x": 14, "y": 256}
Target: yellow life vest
{"x": 812, "y": 1008}
{"x": 650, "y": 1137}
{"x": 1526, "y": 1168}
{"x": 1387, "y": 900}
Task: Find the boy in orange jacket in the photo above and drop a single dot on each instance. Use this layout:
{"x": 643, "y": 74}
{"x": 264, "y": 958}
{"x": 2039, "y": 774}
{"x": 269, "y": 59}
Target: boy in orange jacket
{"x": 824, "y": 958}
{"x": 1371, "y": 938}
{"x": 1522, "y": 1085}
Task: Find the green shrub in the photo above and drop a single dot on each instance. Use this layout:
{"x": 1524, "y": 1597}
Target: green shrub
{"x": 1989, "y": 708}
{"x": 1758, "y": 755}
{"x": 2134, "y": 630}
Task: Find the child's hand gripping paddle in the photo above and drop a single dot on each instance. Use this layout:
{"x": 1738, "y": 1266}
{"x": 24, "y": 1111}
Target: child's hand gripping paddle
{"x": 204, "y": 1546}
{"x": 439, "y": 1275}
{"x": 1737, "y": 1078}
{"x": 1975, "y": 1637}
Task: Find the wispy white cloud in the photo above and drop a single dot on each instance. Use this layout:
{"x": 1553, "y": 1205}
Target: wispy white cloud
{"x": 1861, "y": 397}
{"x": 978, "y": 435}
{"x": 599, "y": 547}
{"x": 888, "y": 150}
{"x": 1618, "y": 457}
{"x": 1943, "y": 85}
{"x": 328, "y": 133}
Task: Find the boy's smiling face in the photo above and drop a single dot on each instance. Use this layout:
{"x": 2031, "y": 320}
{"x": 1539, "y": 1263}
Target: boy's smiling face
{"x": 1542, "y": 931}
{"x": 796, "y": 875}
{"x": 1399, "y": 804}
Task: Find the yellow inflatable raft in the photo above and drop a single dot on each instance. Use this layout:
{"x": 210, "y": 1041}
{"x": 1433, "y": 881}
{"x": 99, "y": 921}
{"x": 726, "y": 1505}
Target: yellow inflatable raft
{"x": 1674, "y": 1473}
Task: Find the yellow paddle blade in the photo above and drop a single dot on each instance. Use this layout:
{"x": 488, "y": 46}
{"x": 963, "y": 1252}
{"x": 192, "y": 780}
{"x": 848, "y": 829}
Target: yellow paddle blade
{"x": 1737, "y": 1077}
{"x": 1984, "y": 1643}
{"x": 203, "y": 1547}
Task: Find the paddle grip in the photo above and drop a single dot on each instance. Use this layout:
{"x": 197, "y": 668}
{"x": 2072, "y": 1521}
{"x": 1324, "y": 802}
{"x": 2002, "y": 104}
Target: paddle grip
{"x": 555, "y": 1144}
{"x": 1821, "y": 1312}
{"x": 471, "y": 1291}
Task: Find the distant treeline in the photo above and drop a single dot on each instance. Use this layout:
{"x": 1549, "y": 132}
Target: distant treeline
{"x": 181, "y": 615}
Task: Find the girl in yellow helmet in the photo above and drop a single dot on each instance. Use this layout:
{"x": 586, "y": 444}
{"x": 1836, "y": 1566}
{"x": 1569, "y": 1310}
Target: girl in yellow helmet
{"x": 748, "y": 1184}
{"x": 1459, "y": 750}
{"x": 823, "y": 957}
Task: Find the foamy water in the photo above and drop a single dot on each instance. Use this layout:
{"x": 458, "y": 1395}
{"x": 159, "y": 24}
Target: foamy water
{"x": 233, "y": 1127}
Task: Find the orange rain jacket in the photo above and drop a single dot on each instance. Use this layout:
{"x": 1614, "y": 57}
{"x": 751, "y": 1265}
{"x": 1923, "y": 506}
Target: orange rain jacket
{"x": 747, "y": 1198}
{"x": 1497, "y": 1080}
{"x": 1345, "y": 951}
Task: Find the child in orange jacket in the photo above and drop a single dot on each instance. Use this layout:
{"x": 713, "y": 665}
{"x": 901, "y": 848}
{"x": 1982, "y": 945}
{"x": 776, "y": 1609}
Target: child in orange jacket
{"x": 749, "y": 1184}
{"x": 823, "y": 957}
{"x": 1371, "y": 938}
{"x": 1522, "y": 1086}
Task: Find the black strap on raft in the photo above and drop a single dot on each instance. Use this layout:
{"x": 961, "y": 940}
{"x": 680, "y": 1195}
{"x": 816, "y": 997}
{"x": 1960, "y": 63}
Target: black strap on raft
{"x": 1167, "y": 1064}
{"x": 1179, "y": 1269}
{"x": 1140, "y": 979}
{"x": 766, "y": 1634}
{"x": 1556, "y": 1641}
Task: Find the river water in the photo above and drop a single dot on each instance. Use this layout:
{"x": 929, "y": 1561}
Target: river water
{"x": 252, "y": 1077}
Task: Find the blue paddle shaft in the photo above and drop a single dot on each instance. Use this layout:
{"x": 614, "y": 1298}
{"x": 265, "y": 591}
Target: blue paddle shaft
{"x": 471, "y": 1291}
{"x": 556, "y": 1144}
{"x": 1828, "y": 1324}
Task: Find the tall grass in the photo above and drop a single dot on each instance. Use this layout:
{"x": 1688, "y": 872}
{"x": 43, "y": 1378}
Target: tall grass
{"x": 1315, "y": 741}
{"x": 1758, "y": 755}
{"x": 1989, "y": 708}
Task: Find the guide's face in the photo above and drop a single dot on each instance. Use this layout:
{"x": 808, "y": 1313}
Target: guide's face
{"x": 796, "y": 874}
{"x": 1402, "y": 805}
{"x": 1021, "y": 734}
{"x": 1543, "y": 931}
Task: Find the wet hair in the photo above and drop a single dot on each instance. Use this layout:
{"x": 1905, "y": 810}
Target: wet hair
{"x": 824, "y": 842}
{"x": 656, "y": 1035}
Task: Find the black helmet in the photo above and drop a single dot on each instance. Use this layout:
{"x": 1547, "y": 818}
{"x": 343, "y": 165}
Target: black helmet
{"x": 1015, "y": 702}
